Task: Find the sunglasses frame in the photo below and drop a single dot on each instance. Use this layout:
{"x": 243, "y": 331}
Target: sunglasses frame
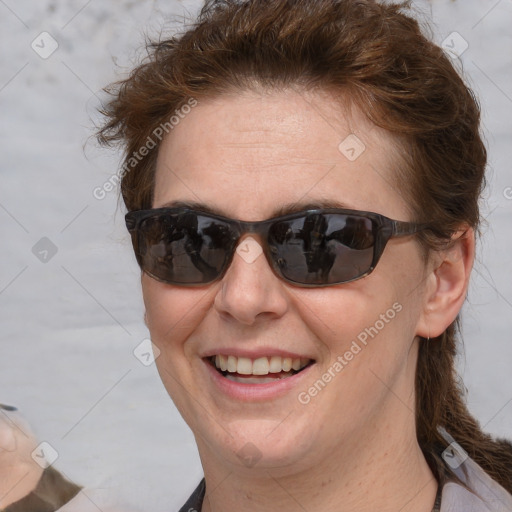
{"x": 384, "y": 229}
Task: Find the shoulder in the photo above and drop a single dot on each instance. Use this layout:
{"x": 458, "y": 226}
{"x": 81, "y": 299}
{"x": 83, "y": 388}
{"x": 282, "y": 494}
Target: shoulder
{"x": 478, "y": 492}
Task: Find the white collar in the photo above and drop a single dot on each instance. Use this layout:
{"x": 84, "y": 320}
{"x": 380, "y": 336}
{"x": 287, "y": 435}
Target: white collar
{"x": 485, "y": 494}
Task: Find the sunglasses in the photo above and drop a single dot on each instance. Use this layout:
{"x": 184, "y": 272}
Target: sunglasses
{"x": 320, "y": 247}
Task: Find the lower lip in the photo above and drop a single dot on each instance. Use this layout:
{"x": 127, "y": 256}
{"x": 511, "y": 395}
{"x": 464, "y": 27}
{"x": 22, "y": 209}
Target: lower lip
{"x": 254, "y": 392}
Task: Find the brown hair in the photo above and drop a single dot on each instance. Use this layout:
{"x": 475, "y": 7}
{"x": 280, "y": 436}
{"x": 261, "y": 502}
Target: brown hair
{"x": 402, "y": 82}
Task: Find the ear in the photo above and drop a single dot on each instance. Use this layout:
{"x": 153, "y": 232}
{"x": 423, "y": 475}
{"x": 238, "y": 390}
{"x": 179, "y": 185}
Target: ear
{"x": 447, "y": 284}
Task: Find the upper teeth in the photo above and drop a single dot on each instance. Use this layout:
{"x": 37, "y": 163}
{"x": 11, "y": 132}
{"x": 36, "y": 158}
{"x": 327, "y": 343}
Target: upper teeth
{"x": 260, "y": 366}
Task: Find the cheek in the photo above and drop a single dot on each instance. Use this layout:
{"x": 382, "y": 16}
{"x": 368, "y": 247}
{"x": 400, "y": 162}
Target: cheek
{"x": 372, "y": 321}
{"x": 172, "y": 313}
{"x": 342, "y": 312}
{"x": 366, "y": 334}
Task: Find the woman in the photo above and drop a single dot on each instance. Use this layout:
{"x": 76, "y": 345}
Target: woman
{"x": 302, "y": 181}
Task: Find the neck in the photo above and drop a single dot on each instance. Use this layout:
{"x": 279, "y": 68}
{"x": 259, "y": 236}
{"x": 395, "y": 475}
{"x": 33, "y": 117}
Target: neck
{"x": 383, "y": 471}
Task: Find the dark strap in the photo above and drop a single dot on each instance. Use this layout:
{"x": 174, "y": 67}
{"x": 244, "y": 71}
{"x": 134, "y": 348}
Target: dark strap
{"x": 437, "y": 503}
{"x": 195, "y": 502}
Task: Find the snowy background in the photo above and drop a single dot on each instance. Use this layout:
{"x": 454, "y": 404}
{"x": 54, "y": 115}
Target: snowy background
{"x": 70, "y": 307}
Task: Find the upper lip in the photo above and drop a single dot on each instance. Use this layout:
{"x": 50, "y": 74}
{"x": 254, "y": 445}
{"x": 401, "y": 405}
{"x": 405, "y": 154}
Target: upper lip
{"x": 255, "y": 353}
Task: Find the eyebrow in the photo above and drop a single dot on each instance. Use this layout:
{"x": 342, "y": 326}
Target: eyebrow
{"x": 283, "y": 209}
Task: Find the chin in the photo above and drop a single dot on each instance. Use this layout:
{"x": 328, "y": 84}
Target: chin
{"x": 259, "y": 443}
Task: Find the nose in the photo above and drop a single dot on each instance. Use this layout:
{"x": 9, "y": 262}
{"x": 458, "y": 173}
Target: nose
{"x": 250, "y": 290}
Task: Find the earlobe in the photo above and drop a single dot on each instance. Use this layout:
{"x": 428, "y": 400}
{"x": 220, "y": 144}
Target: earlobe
{"x": 448, "y": 284}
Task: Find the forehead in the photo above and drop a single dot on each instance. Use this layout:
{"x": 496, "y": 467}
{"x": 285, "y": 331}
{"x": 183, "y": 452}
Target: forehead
{"x": 246, "y": 153}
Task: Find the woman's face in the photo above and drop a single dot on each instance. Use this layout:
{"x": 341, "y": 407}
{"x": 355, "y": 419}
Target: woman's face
{"x": 245, "y": 155}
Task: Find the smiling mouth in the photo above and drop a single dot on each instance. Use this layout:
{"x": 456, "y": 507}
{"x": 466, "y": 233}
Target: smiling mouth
{"x": 258, "y": 371}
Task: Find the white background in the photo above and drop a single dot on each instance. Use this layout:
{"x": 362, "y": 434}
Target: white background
{"x": 68, "y": 326}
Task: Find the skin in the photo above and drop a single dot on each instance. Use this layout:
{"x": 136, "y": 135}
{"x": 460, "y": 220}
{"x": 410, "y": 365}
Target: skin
{"x": 245, "y": 154}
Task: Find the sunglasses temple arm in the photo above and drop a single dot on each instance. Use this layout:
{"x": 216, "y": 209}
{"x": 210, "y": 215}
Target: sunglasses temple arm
{"x": 131, "y": 223}
{"x": 405, "y": 228}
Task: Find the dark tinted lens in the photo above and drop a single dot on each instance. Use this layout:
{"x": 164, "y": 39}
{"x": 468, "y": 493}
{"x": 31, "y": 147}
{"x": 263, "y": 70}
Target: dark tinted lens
{"x": 184, "y": 248}
{"x": 322, "y": 248}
